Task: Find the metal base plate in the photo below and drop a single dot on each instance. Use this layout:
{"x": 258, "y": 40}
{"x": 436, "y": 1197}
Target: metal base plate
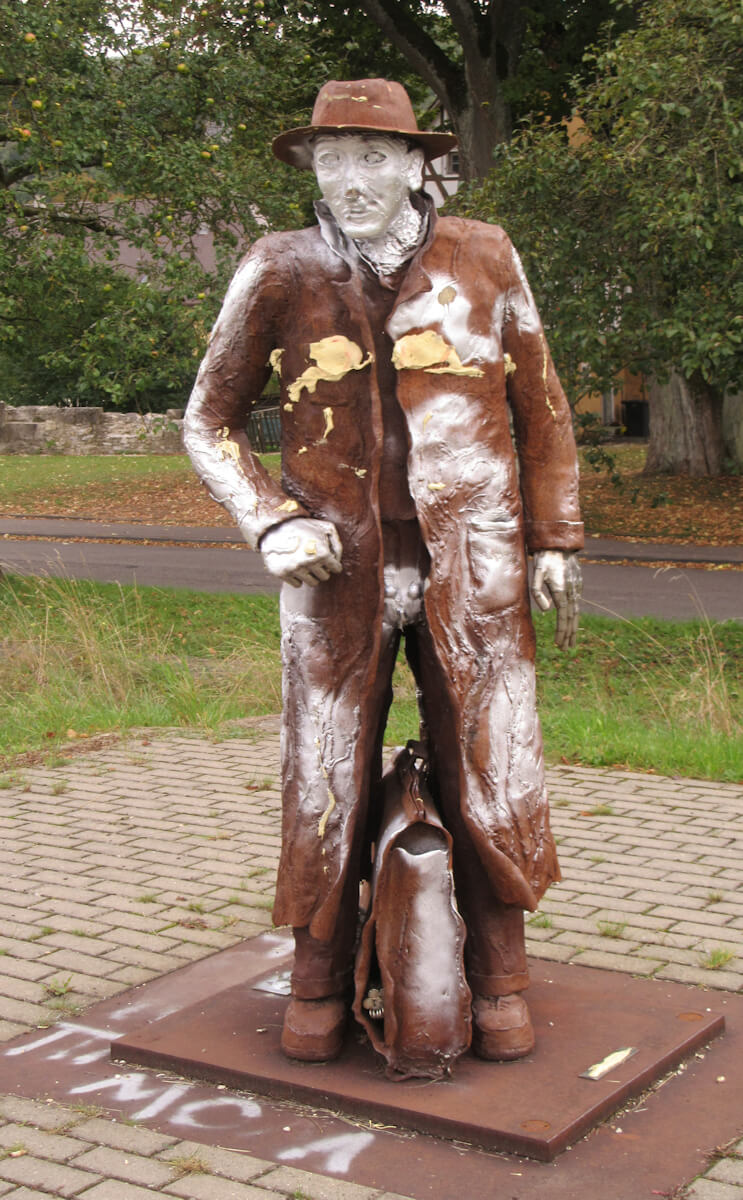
{"x": 536, "y": 1107}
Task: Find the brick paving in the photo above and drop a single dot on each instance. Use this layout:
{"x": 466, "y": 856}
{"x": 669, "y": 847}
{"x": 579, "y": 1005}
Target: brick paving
{"x": 50, "y": 1150}
{"x": 121, "y": 864}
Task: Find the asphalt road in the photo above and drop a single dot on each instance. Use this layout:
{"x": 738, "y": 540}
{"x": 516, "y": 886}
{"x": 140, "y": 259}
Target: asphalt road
{"x": 203, "y": 568}
{"x": 627, "y": 588}
{"x": 673, "y": 592}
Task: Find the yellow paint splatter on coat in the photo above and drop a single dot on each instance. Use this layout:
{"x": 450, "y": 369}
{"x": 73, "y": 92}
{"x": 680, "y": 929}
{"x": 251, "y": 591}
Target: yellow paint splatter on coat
{"x": 329, "y": 422}
{"x": 509, "y": 365}
{"x": 274, "y": 360}
{"x": 334, "y": 357}
{"x": 447, "y": 294}
{"x": 226, "y": 448}
{"x": 436, "y": 487}
{"x": 322, "y": 824}
{"x": 288, "y": 506}
{"x": 429, "y": 352}
{"x": 426, "y": 419}
{"x": 548, "y": 402}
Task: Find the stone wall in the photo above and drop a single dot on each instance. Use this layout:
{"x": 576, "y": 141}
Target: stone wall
{"x": 42, "y": 429}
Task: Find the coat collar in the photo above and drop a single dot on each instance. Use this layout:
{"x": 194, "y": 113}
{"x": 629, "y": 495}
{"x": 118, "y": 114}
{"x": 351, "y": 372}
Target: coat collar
{"x": 412, "y": 278}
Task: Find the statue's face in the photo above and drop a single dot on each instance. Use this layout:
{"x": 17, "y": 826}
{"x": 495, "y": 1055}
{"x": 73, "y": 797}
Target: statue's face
{"x": 365, "y": 179}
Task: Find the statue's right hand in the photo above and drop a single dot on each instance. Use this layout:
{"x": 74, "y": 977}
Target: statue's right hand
{"x": 302, "y": 550}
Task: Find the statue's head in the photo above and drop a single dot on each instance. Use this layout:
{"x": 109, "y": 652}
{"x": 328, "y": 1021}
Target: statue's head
{"x": 366, "y": 150}
{"x": 366, "y": 178}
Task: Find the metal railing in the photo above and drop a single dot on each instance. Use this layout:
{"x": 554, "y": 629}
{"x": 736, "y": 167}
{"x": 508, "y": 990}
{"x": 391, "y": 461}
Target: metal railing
{"x": 264, "y": 429}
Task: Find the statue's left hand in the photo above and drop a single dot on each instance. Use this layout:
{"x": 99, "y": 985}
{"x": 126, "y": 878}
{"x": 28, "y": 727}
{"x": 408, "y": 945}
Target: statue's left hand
{"x": 558, "y": 580}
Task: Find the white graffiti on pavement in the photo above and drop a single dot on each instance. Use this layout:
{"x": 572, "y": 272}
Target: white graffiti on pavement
{"x": 136, "y": 1085}
{"x": 84, "y": 1035}
{"x": 81, "y": 1044}
{"x": 338, "y": 1152}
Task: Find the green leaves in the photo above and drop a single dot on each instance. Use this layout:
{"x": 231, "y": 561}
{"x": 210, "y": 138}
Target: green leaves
{"x": 630, "y": 226}
{"x": 135, "y": 166}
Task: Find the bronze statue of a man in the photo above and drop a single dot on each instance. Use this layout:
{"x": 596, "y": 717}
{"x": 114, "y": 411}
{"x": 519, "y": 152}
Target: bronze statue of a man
{"x": 407, "y": 507}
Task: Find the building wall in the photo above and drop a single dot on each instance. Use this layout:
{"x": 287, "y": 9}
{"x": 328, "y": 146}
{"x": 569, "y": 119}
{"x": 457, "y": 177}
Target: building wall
{"x": 624, "y": 405}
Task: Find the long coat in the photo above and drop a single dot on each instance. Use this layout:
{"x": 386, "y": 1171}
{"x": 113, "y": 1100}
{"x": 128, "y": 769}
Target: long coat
{"x": 468, "y": 345}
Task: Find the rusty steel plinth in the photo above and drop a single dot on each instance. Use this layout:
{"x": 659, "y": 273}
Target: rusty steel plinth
{"x": 536, "y": 1107}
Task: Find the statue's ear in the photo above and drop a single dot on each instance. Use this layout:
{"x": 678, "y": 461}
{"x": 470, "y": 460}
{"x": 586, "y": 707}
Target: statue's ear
{"x": 414, "y": 168}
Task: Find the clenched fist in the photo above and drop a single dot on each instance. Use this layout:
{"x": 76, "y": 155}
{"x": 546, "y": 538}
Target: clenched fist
{"x": 302, "y": 550}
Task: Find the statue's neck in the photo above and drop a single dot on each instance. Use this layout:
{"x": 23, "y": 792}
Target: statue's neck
{"x": 397, "y": 244}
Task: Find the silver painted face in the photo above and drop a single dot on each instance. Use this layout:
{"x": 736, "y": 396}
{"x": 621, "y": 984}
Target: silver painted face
{"x": 366, "y": 179}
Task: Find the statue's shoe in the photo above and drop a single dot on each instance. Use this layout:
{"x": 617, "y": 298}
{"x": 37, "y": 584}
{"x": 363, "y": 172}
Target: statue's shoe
{"x": 501, "y": 1028}
{"x": 314, "y": 1029}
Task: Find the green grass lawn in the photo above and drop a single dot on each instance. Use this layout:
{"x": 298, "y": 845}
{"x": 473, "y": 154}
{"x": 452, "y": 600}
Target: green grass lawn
{"x": 45, "y": 473}
{"x": 85, "y": 657}
{"x": 21, "y": 473}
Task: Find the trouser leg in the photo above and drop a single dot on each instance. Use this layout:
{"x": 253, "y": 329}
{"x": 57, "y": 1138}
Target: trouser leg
{"x": 495, "y": 954}
{"x": 495, "y": 950}
{"x": 325, "y": 968}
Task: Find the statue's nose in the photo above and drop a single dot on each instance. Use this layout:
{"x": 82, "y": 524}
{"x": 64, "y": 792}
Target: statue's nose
{"x": 351, "y": 182}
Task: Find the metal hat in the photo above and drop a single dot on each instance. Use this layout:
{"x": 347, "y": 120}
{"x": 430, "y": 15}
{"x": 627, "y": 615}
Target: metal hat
{"x": 360, "y": 106}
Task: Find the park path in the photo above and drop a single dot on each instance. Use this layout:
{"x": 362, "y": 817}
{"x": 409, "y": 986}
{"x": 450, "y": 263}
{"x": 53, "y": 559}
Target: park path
{"x": 621, "y": 578}
{"x": 130, "y": 861}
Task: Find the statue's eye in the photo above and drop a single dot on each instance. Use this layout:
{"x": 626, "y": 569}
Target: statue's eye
{"x": 328, "y": 159}
{"x": 374, "y": 157}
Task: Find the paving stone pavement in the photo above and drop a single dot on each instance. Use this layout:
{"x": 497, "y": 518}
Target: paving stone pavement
{"x": 123, "y": 863}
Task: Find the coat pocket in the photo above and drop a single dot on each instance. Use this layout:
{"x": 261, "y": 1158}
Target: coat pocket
{"x": 497, "y": 562}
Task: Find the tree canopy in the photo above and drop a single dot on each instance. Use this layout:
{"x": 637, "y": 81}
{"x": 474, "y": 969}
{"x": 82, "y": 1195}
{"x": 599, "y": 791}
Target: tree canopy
{"x": 489, "y": 62}
{"x": 147, "y": 125}
{"x": 631, "y": 229}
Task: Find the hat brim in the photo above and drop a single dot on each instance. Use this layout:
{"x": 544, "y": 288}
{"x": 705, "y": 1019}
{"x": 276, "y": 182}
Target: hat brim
{"x": 293, "y": 147}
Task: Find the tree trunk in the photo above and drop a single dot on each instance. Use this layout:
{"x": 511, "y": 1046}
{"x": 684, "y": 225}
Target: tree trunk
{"x": 476, "y": 142}
{"x": 732, "y": 430}
{"x": 479, "y": 111}
{"x": 470, "y": 89}
{"x": 480, "y": 121}
{"x": 685, "y": 427}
